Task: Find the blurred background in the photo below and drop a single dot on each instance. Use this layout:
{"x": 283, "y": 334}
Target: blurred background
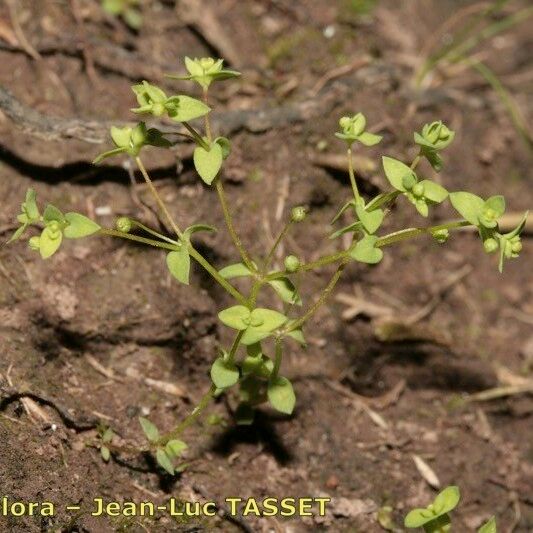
{"x": 429, "y": 355}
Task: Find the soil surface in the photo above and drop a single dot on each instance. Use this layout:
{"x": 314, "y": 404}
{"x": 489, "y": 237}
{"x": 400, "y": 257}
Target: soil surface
{"x": 101, "y": 333}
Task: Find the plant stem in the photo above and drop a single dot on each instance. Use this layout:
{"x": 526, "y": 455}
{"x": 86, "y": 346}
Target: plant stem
{"x": 281, "y": 236}
{"x": 153, "y": 232}
{"x": 158, "y": 199}
{"x": 235, "y": 346}
{"x": 323, "y": 261}
{"x": 409, "y": 233}
{"x": 415, "y": 162}
{"x": 206, "y": 117}
{"x": 322, "y": 298}
{"x": 196, "y": 136}
{"x": 352, "y": 177}
{"x": 186, "y": 422}
{"x": 229, "y": 223}
{"x": 278, "y": 358}
{"x": 195, "y": 254}
{"x": 115, "y": 233}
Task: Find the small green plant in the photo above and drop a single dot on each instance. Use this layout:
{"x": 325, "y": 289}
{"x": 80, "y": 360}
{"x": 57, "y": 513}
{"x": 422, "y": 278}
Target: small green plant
{"x": 126, "y": 9}
{"x": 435, "y": 518}
{"x": 253, "y": 361}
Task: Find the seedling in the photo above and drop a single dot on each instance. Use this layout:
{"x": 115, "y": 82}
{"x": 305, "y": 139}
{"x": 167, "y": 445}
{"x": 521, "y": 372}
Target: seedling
{"x": 253, "y": 361}
{"x": 126, "y": 9}
{"x": 435, "y": 518}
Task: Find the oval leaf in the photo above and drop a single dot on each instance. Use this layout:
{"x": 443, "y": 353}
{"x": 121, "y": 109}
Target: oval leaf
{"x": 208, "y": 162}
{"x": 395, "y": 171}
{"x": 175, "y": 448}
{"x": 468, "y": 205}
{"x": 224, "y": 374}
{"x": 446, "y": 500}
{"x": 179, "y": 264}
{"x": 281, "y": 395}
{"x": 234, "y": 316}
{"x": 80, "y": 226}
{"x": 150, "y": 430}
{"x": 163, "y": 461}
{"x": 182, "y": 108}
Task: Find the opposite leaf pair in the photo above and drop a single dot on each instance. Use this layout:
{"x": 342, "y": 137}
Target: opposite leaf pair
{"x": 56, "y": 226}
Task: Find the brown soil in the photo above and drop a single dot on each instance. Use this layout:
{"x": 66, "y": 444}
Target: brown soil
{"x": 109, "y": 302}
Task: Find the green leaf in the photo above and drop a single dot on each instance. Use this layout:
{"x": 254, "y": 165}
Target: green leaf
{"x": 237, "y": 270}
{"x": 497, "y": 204}
{"x": 175, "y": 447}
{"x": 179, "y": 264}
{"x": 235, "y": 317}
{"x": 182, "y": 108}
{"x": 381, "y": 199}
{"x": 195, "y": 228}
{"x": 518, "y": 230}
{"x": 434, "y": 192}
{"x": 468, "y": 205}
{"x": 369, "y": 139}
{"x": 281, "y": 395}
{"x": 270, "y": 320}
{"x": 105, "y": 453}
{"x": 79, "y": 226}
{"x": 208, "y": 162}
{"x": 18, "y": 233}
{"x": 298, "y": 336}
{"x": 225, "y": 144}
{"x": 164, "y": 461}
{"x": 418, "y": 517}
{"x": 224, "y": 374}
{"x": 421, "y": 206}
{"x": 286, "y": 290}
{"x": 446, "y": 500}
{"x": 110, "y": 153}
{"x": 50, "y": 242}
{"x": 354, "y": 226}
{"x": 422, "y": 142}
{"x": 52, "y": 213}
{"x": 342, "y": 210}
{"x": 365, "y": 250}
{"x": 488, "y": 527}
{"x": 262, "y": 323}
{"x": 371, "y": 220}
{"x": 107, "y": 435}
{"x": 133, "y": 18}
{"x": 149, "y": 429}
{"x": 434, "y": 159}
{"x": 30, "y": 205}
{"x": 395, "y": 171}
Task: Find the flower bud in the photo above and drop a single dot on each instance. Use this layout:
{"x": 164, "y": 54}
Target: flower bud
{"x": 35, "y": 243}
{"x": 55, "y": 229}
{"x": 345, "y": 122}
{"x": 516, "y": 247}
{"x": 490, "y": 245}
{"x": 418, "y": 189}
{"x": 441, "y": 235}
{"x": 298, "y": 213}
{"x": 292, "y": 263}
{"x": 123, "y": 224}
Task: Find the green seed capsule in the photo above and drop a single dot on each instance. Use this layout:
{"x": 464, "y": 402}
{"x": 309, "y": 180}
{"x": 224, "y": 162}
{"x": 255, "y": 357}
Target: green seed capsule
{"x": 516, "y": 247}
{"x": 35, "y": 243}
{"x": 490, "y": 245}
{"x": 298, "y": 213}
{"x": 123, "y": 224}
{"x": 418, "y": 189}
{"x": 292, "y": 263}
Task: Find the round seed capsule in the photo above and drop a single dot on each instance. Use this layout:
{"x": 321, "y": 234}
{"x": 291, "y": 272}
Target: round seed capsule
{"x": 292, "y": 263}
{"x": 490, "y": 245}
{"x": 298, "y": 213}
{"x": 123, "y": 224}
